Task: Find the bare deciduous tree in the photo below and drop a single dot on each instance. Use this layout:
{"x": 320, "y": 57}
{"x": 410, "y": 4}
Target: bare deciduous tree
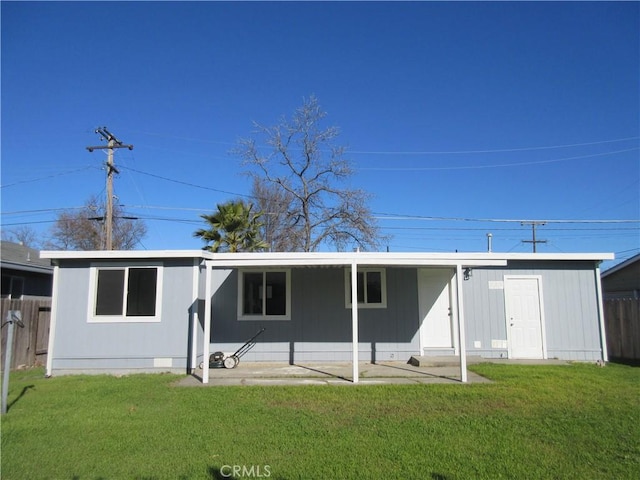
{"x": 23, "y": 235}
{"x": 280, "y": 228}
{"x": 84, "y": 229}
{"x": 303, "y": 169}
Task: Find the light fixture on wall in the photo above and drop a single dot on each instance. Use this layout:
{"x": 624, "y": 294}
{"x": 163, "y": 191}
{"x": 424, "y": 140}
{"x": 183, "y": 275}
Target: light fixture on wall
{"x": 468, "y": 273}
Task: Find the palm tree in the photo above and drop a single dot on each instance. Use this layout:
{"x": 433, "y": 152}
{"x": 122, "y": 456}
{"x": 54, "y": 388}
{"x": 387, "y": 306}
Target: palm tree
{"x": 232, "y": 228}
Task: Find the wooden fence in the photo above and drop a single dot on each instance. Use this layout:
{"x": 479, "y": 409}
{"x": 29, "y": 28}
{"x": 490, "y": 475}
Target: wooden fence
{"x": 622, "y": 320}
{"x": 31, "y": 342}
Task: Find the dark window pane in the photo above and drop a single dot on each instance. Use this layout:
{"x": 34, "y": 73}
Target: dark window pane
{"x": 6, "y": 286}
{"x": 110, "y": 290}
{"x": 17, "y": 287}
{"x": 252, "y": 294}
{"x": 141, "y": 295}
{"x": 374, "y": 287}
{"x": 276, "y": 293}
{"x": 12, "y": 287}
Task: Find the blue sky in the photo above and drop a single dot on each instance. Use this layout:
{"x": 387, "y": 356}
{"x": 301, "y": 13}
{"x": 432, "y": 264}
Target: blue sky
{"x": 455, "y": 115}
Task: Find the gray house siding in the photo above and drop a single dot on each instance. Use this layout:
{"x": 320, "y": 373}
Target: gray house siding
{"x": 571, "y": 319}
{"x": 484, "y": 313}
{"x": 127, "y": 345}
{"x": 320, "y": 325}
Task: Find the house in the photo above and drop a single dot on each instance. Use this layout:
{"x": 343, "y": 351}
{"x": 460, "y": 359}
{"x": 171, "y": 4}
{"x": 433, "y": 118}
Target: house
{"x": 623, "y": 279}
{"x": 621, "y": 289}
{"x": 24, "y": 274}
{"x": 27, "y": 282}
{"x": 121, "y": 311}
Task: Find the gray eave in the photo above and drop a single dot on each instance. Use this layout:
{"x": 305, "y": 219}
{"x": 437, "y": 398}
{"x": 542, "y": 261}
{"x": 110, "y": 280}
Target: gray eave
{"x": 26, "y": 268}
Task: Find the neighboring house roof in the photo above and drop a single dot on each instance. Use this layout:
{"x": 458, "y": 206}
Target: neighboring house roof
{"x": 623, "y": 277}
{"x": 328, "y": 258}
{"x": 18, "y": 257}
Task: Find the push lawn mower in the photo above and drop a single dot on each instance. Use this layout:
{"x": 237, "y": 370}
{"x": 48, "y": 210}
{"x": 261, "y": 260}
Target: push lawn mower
{"x": 218, "y": 359}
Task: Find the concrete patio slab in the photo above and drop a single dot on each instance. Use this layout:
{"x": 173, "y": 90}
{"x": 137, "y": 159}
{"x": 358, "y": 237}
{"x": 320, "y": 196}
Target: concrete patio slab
{"x": 264, "y": 373}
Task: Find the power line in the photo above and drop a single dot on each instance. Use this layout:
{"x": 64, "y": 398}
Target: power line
{"x": 425, "y": 152}
{"x": 154, "y": 207}
{"x": 497, "y": 165}
{"x": 496, "y": 150}
{"x": 41, "y": 210}
{"x": 394, "y": 216}
{"x": 69, "y": 172}
{"x": 189, "y": 184}
{"x": 27, "y": 223}
{"x": 506, "y": 229}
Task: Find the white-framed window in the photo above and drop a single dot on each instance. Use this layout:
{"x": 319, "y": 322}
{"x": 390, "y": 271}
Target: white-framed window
{"x": 121, "y": 293}
{"x": 372, "y": 288}
{"x": 264, "y": 295}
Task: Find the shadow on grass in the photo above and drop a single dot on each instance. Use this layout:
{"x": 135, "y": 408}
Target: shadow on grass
{"x": 22, "y": 394}
{"x": 215, "y": 473}
{"x": 438, "y": 476}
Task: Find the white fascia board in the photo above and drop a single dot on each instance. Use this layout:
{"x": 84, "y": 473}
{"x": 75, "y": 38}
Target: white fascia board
{"x": 274, "y": 259}
{"x": 281, "y": 259}
{"x": 119, "y": 254}
{"x": 558, "y": 256}
{"x": 347, "y": 258}
{"x": 434, "y": 262}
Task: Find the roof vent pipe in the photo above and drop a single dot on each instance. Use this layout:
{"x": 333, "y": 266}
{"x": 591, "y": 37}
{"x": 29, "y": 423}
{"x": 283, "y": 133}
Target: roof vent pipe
{"x": 489, "y": 237}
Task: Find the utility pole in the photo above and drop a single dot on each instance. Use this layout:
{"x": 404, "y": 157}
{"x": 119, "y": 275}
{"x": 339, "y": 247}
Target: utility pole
{"x": 112, "y": 144}
{"x": 533, "y": 240}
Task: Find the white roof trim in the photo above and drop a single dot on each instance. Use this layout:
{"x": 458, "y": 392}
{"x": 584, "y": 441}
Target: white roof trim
{"x": 328, "y": 258}
{"x": 119, "y": 254}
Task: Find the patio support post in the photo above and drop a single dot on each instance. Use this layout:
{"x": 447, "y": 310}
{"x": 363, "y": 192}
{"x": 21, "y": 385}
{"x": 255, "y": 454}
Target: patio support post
{"x": 354, "y": 318}
{"x": 603, "y": 331}
{"x": 53, "y": 320}
{"x": 461, "y": 332}
{"x": 207, "y": 323}
{"x": 194, "y": 315}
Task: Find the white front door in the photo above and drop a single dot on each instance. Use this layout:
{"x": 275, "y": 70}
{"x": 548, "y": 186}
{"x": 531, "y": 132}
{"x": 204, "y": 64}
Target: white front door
{"x": 523, "y": 308}
{"x": 434, "y": 296}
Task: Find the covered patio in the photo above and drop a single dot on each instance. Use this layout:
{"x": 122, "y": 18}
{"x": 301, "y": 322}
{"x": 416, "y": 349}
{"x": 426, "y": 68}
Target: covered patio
{"x": 458, "y": 263}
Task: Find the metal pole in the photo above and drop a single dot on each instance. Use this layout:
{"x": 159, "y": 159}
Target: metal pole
{"x": 462, "y": 339}
{"x": 354, "y": 321}
{"x": 207, "y": 322}
{"x": 7, "y": 368}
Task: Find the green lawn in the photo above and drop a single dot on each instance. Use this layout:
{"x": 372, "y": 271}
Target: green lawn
{"x": 576, "y": 421}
